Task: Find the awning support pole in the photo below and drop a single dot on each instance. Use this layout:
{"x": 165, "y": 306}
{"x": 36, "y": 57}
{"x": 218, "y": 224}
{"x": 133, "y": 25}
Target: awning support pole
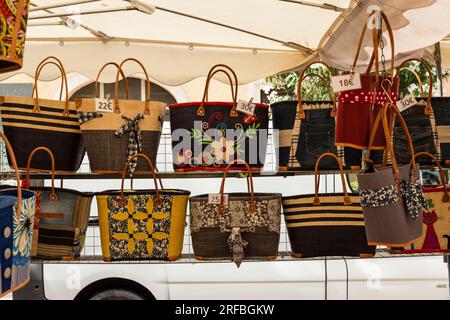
{"x": 438, "y": 59}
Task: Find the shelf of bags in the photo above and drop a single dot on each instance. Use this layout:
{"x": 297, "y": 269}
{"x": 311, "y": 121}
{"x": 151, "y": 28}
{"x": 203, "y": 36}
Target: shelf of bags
{"x": 177, "y": 175}
{"x": 189, "y": 259}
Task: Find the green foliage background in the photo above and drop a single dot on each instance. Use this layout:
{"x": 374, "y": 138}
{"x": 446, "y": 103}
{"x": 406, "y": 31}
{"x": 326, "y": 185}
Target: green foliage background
{"x": 284, "y": 86}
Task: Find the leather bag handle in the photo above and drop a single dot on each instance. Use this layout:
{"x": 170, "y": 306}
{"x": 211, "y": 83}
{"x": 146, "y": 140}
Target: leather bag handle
{"x": 445, "y": 197}
{"x": 125, "y": 81}
{"x": 158, "y": 199}
{"x": 428, "y": 108}
{"x": 347, "y": 200}
{"x": 13, "y": 164}
{"x": 116, "y": 91}
{"x": 375, "y": 35}
{"x": 250, "y": 179}
{"x": 419, "y": 81}
{"x": 53, "y": 196}
{"x": 64, "y": 79}
{"x": 300, "y": 112}
{"x": 225, "y": 69}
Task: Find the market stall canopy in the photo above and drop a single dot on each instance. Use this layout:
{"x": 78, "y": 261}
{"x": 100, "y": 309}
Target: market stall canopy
{"x": 180, "y": 40}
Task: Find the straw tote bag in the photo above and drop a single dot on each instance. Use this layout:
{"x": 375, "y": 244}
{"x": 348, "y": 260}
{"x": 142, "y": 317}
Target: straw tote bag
{"x": 142, "y": 224}
{"x": 239, "y": 226}
{"x": 128, "y": 128}
{"x": 304, "y": 129}
{"x": 206, "y": 136}
{"x": 441, "y": 110}
{"x": 13, "y": 27}
{"x": 436, "y": 220}
{"x": 60, "y": 219}
{"x": 33, "y": 122}
{"x": 392, "y": 197}
{"x": 326, "y": 225}
{"x": 421, "y": 124}
{"x": 16, "y": 232}
{"x": 357, "y": 109}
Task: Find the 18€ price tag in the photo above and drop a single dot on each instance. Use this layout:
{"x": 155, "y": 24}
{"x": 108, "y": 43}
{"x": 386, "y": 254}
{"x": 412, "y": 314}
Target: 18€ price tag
{"x": 214, "y": 198}
{"x": 346, "y": 82}
{"x": 246, "y": 107}
{"x": 406, "y": 103}
{"x": 104, "y": 105}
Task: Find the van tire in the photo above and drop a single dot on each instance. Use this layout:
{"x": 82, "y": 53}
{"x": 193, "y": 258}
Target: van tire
{"x": 116, "y": 294}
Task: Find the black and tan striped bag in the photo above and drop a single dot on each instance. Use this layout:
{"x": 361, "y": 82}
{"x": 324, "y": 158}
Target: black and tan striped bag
{"x": 31, "y": 122}
{"x": 329, "y": 225}
{"x": 61, "y": 217}
{"x": 112, "y": 136}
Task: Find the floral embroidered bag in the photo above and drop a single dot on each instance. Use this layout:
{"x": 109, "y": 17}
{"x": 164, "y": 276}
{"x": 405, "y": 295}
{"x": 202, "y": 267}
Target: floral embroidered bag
{"x": 240, "y": 226}
{"x": 391, "y": 196}
{"x": 61, "y": 217}
{"x": 209, "y": 135}
{"x": 16, "y": 232}
{"x": 142, "y": 224}
{"x": 31, "y": 122}
{"x": 114, "y": 132}
{"x": 13, "y": 27}
{"x": 329, "y": 225}
{"x": 436, "y": 219}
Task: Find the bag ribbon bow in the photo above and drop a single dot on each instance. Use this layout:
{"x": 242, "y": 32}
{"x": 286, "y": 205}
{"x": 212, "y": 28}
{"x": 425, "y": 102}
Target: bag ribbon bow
{"x": 134, "y": 137}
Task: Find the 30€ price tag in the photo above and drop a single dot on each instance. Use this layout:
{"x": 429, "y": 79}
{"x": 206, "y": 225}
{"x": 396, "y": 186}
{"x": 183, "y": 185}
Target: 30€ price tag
{"x": 346, "y": 82}
{"x": 406, "y": 103}
{"x": 246, "y": 107}
{"x": 103, "y": 105}
{"x": 215, "y": 199}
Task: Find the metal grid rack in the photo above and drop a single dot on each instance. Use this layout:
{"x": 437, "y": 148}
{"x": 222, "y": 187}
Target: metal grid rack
{"x": 91, "y": 253}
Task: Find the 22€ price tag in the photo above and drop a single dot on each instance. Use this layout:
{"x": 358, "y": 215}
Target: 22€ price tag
{"x": 246, "y": 107}
{"x": 346, "y": 82}
{"x": 104, "y": 105}
{"x": 214, "y": 198}
{"x": 406, "y": 103}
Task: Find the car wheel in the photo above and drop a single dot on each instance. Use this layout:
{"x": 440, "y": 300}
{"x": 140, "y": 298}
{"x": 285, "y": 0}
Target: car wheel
{"x": 116, "y": 294}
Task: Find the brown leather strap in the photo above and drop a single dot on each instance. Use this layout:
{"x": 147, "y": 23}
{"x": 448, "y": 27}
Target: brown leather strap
{"x": 158, "y": 199}
{"x": 13, "y": 164}
{"x": 125, "y": 81}
{"x": 61, "y": 89}
{"x": 300, "y": 111}
{"x": 428, "y": 108}
{"x": 347, "y": 200}
{"x": 375, "y": 36}
{"x": 225, "y": 69}
{"x": 53, "y": 196}
{"x": 229, "y": 79}
{"x": 64, "y": 78}
{"x": 116, "y": 91}
{"x": 445, "y": 197}
{"x": 250, "y": 179}
{"x": 415, "y": 74}
{"x": 387, "y": 134}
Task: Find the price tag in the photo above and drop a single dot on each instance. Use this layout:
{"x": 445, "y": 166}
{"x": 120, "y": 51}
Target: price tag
{"x": 246, "y": 107}
{"x": 406, "y": 103}
{"x": 104, "y": 105}
{"x": 215, "y": 199}
{"x": 346, "y": 82}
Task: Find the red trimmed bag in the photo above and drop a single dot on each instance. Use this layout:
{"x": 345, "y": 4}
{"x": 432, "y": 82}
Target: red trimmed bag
{"x": 207, "y": 136}
{"x": 357, "y": 109}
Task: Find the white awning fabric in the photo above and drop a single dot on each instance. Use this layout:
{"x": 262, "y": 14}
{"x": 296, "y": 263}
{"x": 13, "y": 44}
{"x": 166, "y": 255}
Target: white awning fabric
{"x": 179, "y": 40}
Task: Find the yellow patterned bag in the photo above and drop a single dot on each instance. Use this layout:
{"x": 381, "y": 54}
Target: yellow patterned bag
{"x": 142, "y": 224}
